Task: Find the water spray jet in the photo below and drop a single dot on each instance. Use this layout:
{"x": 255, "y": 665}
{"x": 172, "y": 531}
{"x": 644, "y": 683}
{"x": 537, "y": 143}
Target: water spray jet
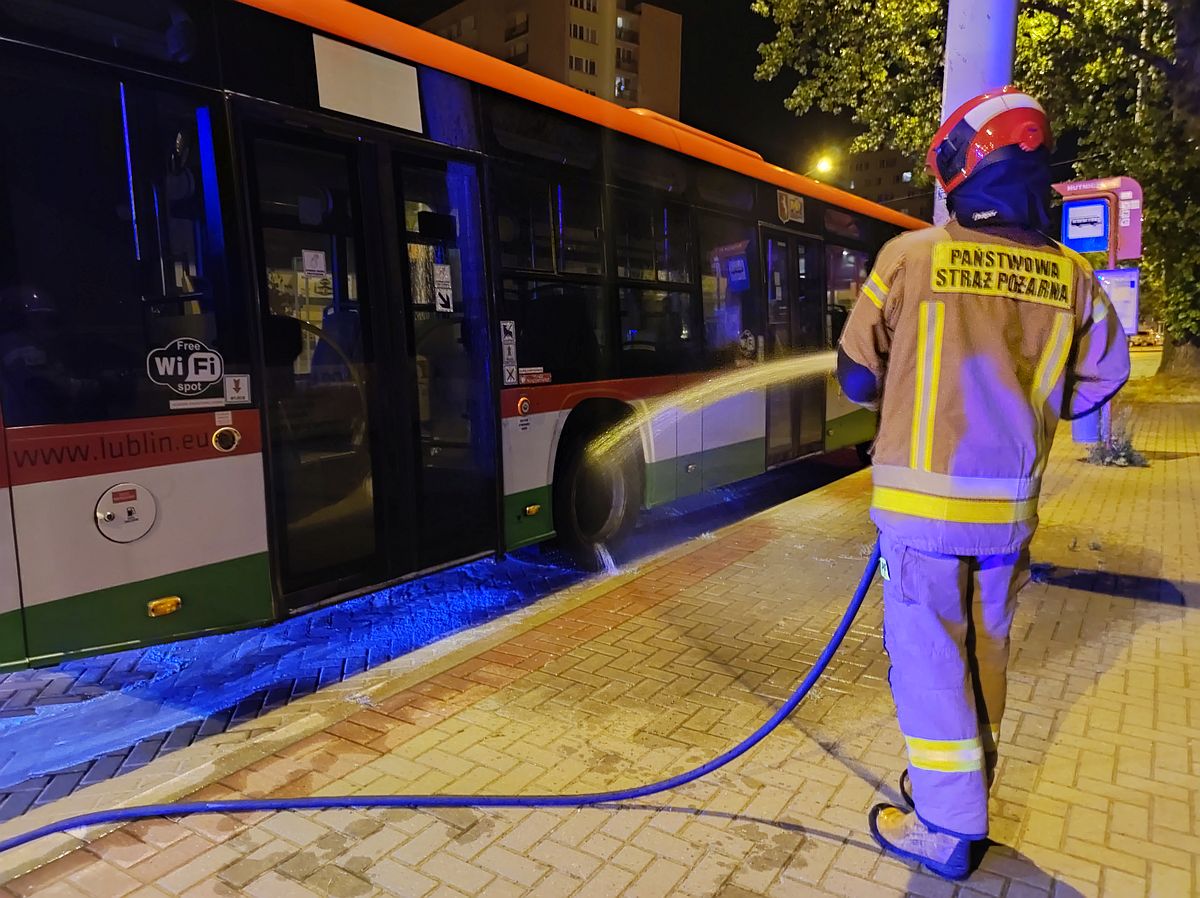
{"x": 614, "y": 444}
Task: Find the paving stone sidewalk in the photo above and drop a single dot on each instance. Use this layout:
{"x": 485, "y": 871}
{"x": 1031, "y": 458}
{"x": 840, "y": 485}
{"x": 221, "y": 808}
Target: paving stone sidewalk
{"x": 657, "y": 670}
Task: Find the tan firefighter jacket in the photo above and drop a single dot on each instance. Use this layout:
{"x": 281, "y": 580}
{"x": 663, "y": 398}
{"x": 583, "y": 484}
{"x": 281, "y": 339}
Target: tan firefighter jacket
{"x": 980, "y": 342}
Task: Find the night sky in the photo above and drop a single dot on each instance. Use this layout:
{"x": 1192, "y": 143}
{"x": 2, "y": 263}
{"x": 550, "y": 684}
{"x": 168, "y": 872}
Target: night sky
{"x": 718, "y": 93}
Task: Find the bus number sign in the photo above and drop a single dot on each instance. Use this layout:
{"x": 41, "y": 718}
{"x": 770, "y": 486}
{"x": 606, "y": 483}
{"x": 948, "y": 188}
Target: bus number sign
{"x": 186, "y": 366}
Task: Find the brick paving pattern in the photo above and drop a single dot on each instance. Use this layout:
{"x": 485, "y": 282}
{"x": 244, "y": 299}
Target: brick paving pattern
{"x": 279, "y": 655}
{"x": 1097, "y": 793}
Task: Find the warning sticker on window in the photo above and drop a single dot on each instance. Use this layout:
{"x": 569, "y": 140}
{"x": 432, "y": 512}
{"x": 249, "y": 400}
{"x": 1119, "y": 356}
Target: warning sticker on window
{"x": 443, "y": 288}
{"x": 314, "y": 262}
{"x": 534, "y": 376}
{"x": 237, "y": 388}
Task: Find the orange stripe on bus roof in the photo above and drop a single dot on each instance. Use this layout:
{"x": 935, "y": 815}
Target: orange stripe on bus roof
{"x": 352, "y": 22}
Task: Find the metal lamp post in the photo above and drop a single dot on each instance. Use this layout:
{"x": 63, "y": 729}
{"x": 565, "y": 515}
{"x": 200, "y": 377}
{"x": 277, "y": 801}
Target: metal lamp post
{"x": 981, "y": 39}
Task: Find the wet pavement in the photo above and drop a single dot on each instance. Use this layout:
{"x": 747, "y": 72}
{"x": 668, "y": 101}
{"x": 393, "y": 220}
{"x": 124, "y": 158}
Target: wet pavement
{"x": 610, "y": 682}
{"x": 82, "y": 722}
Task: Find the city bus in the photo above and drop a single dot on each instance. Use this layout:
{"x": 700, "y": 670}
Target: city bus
{"x": 298, "y": 301}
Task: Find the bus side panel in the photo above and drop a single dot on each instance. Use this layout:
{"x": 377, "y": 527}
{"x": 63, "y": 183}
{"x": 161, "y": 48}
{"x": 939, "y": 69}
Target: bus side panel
{"x": 206, "y": 540}
{"x": 12, "y": 626}
{"x": 735, "y": 438}
{"x": 529, "y": 443}
{"x": 689, "y": 462}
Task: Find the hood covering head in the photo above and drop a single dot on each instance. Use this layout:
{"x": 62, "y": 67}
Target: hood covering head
{"x": 1013, "y": 190}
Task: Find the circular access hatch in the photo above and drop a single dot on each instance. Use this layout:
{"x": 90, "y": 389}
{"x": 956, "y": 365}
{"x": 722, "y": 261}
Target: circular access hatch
{"x": 126, "y": 512}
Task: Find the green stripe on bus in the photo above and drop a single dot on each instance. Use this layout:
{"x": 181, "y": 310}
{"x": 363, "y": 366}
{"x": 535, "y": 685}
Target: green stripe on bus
{"x": 521, "y": 529}
{"x": 686, "y": 475}
{"x": 849, "y": 430}
{"x": 738, "y": 461}
{"x": 225, "y": 595}
{"x": 12, "y": 640}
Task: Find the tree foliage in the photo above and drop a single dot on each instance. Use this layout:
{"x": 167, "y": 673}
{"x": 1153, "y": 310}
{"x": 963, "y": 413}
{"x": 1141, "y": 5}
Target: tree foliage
{"x": 1123, "y": 74}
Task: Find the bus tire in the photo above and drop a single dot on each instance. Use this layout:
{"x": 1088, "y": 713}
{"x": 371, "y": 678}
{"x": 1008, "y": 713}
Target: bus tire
{"x": 594, "y": 505}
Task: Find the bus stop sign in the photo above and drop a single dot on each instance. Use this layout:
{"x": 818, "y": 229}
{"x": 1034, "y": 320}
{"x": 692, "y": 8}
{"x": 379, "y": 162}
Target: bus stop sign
{"x": 1103, "y": 215}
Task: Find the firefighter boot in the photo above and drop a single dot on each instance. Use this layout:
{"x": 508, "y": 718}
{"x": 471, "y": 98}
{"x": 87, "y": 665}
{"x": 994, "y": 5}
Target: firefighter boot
{"x": 903, "y": 834}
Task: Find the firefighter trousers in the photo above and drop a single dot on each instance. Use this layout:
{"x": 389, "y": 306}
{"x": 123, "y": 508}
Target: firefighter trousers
{"x": 946, "y": 624}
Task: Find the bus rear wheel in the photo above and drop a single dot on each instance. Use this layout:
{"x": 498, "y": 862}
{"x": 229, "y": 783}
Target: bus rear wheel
{"x": 595, "y": 503}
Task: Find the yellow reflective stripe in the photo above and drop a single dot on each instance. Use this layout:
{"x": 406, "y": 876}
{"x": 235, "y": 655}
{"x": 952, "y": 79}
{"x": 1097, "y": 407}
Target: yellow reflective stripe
{"x": 945, "y": 755}
{"x": 929, "y": 369}
{"x": 955, "y": 487}
{"x": 869, "y": 292}
{"x": 878, "y": 281}
{"x": 946, "y": 766}
{"x": 1045, "y": 376}
{"x": 1054, "y": 356}
{"x": 958, "y": 511}
{"x": 914, "y": 449}
{"x": 939, "y": 329}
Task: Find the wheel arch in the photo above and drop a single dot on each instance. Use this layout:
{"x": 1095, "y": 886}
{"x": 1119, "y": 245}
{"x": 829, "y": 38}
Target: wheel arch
{"x": 588, "y": 417}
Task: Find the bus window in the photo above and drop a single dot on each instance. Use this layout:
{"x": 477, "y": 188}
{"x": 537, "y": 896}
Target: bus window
{"x": 111, "y": 246}
{"x": 728, "y": 273}
{"x": 525, "y": 130}
{"x": 172, "y": 37}
{"x": 846, "y": 270}
{"x": 658, "y": 333}
{"x": 562, "y": 330}
{"x": 724, "y": 189}
{"x": 577, "y": 214}
{"x": 523, "y": 222}
{"x": 653, "y": 241}
{"x": 843, "y": 224}
{"x": 536, "y": 216}
{"x": 646, "y": 165}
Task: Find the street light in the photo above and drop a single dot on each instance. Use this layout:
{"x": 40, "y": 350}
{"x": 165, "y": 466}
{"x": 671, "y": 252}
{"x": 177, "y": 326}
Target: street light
{"x": 823, "y": 166}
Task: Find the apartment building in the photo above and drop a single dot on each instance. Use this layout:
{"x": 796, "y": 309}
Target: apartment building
{"x": 885, "y": 176}
{"x": 621, "y": 50}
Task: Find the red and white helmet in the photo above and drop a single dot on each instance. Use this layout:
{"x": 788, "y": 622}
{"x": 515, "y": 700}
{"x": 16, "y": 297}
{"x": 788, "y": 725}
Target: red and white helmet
{"x": 980, "y": 127}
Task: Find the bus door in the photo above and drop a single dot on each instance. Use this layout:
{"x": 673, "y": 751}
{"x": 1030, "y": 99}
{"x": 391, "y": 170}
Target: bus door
{"x": 795, "y": 325}
{"x": 375, "y": 341}
{"x": 322, "y": 393}
{"x": 447, "y": 316}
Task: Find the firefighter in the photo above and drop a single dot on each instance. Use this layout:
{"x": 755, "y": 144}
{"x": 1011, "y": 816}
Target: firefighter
{"x": 972, "y": 340}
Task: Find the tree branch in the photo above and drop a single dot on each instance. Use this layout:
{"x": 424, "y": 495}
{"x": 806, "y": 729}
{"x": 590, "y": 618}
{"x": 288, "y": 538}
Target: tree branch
{"x": 1130, "y": 46}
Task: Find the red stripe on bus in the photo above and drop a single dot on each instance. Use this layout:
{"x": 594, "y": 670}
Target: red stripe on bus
{"x": 373, "y": 29}
{"x": 5, "y": 481}
{"x": 62, "y": 451}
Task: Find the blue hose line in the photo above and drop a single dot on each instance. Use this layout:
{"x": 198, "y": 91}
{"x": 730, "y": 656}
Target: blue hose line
{"x": 247, "y": 805}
